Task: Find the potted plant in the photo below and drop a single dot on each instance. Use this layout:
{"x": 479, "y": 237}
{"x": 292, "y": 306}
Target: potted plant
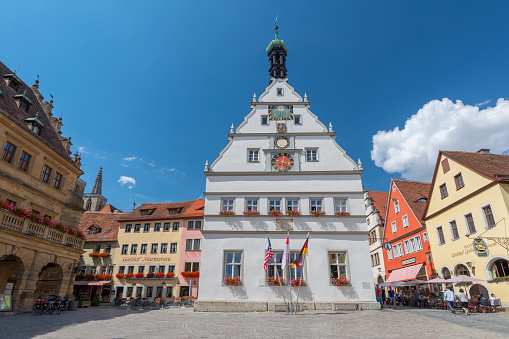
{"x": 96, "y": 300}
{"x": 160, "y": 275}
{"x": 317, "y": 213}
{"x": 89, "y": 277}
{"x": 195, "y": 274}
{"x": 129, "y": 275}
{"x": 170, "y": 275}
{"x": 251, "y": 212}
{"x": 235, "y": 281}
{"x": 273, "y": 281}
{"x": 120, "y": 275}
{"x": 227, "y": 213}
{"x": 276, "y": 213}
{"x": 340, "y": 281}
{"x": 293, "y": 212}
{"x": 342, "y": 214}
{"x": 297, "y": 282}
{"x": 83, "y": 300}
{"x": 139, "y": 275}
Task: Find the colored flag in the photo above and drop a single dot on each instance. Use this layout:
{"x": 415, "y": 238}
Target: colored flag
{"x": 286, "y": 253}
{"x": 301, "y": 254}
{"x": 268, "y": 255}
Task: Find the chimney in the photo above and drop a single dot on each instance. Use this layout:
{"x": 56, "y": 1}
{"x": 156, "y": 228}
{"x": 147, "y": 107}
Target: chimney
{"x": 484, "y": 150}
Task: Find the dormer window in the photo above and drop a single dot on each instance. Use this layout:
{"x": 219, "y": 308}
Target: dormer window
{"x": 175, "y": 210}
{"x": 147, "y": 212}
{"x": 422, "y": 200}
{"x": 93, "y": 230}
{"x": 12, "y": 81}
{"x": 34, "y": 124}
{"x": 23, "y": 101}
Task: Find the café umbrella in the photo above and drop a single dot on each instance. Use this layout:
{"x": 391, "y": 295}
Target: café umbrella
{"x": 437, "y": 281}
{"x": 462, "y": 278}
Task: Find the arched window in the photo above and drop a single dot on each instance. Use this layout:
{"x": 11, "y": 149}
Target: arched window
{"x": 500, "y": 268}
{"x": 462, "y": 270}
{"x": 446, "y": 274}
{"x": 89, "y": 204}
{"x": 99, "y": 206}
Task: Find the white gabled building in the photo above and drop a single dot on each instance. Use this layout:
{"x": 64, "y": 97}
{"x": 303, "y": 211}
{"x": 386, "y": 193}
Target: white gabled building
{"x": 281, "y": 157}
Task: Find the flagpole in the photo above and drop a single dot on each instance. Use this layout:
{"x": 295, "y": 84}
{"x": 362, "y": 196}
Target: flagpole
{"x": 300, "y": 281}
{"x": 289, "y": 271}
{"x": 277, "y": 275}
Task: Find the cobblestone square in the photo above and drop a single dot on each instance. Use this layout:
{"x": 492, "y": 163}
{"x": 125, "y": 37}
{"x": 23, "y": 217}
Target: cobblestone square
{"x": 109, "y": 322}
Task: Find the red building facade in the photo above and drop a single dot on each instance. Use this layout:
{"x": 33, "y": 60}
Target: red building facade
{"x": 407, "y": 253}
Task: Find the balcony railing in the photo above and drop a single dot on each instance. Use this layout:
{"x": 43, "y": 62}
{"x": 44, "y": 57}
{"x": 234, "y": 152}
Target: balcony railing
{"x": 27, "y": 226}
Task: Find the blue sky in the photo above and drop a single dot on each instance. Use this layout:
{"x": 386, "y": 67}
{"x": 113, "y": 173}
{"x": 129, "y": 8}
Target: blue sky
{"x": 148, "y": 90}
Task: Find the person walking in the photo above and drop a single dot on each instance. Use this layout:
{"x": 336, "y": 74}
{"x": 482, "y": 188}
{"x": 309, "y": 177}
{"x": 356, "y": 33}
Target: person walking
{"x": 378, "y": 292}
{"x": 383, "y": 296}
{"x": 463, "y": 301}
{"x": 450, "y": 297}
{"x": 392, "y": 297}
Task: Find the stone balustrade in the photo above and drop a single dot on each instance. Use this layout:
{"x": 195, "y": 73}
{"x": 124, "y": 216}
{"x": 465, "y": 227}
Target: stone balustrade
{"x": 27, "y": 226}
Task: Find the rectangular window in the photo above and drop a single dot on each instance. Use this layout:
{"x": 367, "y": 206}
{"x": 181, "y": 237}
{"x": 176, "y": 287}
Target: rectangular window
{"x": 280, "y": 91}
{"x": 297, "y": 120}
{"x": 14, "y": 203}
{"x": 121, "y": 269}
{"x": 153, "y": 248}
{"x": 134, "y": 249}
{"x": 146, "y": 227}
{"x": 405, "y": 221}
{"x": 275, "y": 264}
{"x": 164, "y": 247}
{"x": 166, "y": 226}
{"x": 176, "y": 225}
{"x": 338, "y": 265}
{"x": 57, "y": 180}
{"x": 157, "y": 227}
{"x": 137, "y": 227}
{"x": 393, "y": 225}
{"x": 443, "y": 191}
{"x": 9, "y": 150}
{"x": 24, "y": 160}
{"x": 488, "y": 217}
{"x": 458, "y": 179}
{"x": 148, "y": 292}
{"x": 396, "y": 207}
{"x": 159, "y": 292}
{"x": 97, "y": 248}
{"x": 139, "y": 290}
{"x": 469, "y": 219}
{"x": 265, "y": 120}
{"x": 193, "y": 244}
{"x": 162, "y": 268}
{"x": 128, "y": 228}
{"x": 107, "y": 249}
{"x": 295, "y": 272}
{"x": 196, "y": 267}
{"x": 171, "y": 268}
{"x": 93, "y": 269}
{"x": 292, "y": 205}
{"x": 440, "y": 235}
{"x": 316, "y": 204}
{"x": 274, "y": 205}
{"x": 252, "y": 205}
{"x": 398, "y": 250}
{"x": 152, "y": 269}
{"x": 232, "y": 264}
{"x": 125, "y": 248}
{"x": 425, "y": 236}
{"x": 227, "y": 205}
{"x": 340, "y": 205}
{"x": 173, "y": 247}
{"x": 253, "y": 156}
{"x": 143, "y": 249}
{"x": 389, "y": 254}
{"x": 188, "y": 267}
{"x": 141, "y": 269}
{"x": 46, "y": 171}
{"x": 454, "y": 230}
{"x": 130, "y": 269}
{"x": 311, "y": 154}
{"x": 194, "y": 224}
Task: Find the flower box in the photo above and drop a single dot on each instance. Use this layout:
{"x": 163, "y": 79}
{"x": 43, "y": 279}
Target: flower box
{"x": 273, "y": 281}
{"x": 129, "y": 275}
{"x": 341, "y": 281}
{"x": 79, "y": 277}
{"x": 139, "y": 275}
{"x": 227, "y": 213}
{"x": 170, "y": 275}
{"x": 160, "y": 275}
{"x": 235, "y": 281}
{"x": 499, "y": 279}
{"x": 84, "y": 303}
{"x": 317, "y": 213}
{"x": 120, "y": 275}
{"x": 89, "y": 277}
{"x": 297, "y": 282}
{"x": 342, "y": 214}
{"x": 103, "y": 276}
{"x": 150, "y": 275}
{"x": 276, "y": 213}
{"x": 293, "y": 213}
{"x": 99, "y": 255}
{"x": 252, "y": 212}
{"x": 190, "y": 274}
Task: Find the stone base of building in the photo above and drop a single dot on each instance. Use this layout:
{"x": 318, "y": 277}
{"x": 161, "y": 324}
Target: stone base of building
{"x": 279, "y": 306}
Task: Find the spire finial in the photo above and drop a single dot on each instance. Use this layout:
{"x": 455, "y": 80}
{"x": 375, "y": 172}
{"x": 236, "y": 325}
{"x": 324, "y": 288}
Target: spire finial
{"x": 232, "y": 129}
{"x": 254, "y": 97}
{"x": 330, "y": 127}
{"x": 98, "y": 183}
{"x": 275, "y": 28}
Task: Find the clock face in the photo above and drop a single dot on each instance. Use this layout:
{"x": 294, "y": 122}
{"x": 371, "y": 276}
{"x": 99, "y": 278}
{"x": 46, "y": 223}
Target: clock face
{"x": 282, "y": 142}
{"x": 282, "y": 162}
{"x": 281, "y": 112}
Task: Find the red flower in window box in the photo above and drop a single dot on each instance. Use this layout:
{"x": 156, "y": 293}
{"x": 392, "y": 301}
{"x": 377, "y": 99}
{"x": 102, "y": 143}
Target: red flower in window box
{"x": 196, "y": 274}
{"x": 185, "y": 274}
{"x": 252, "y": 212}
{"x": 273, "y": 281}
{"x": 94, "y": 254}
{"x": 151, "y": 275}
{"x": 317, "y": 213}
{"x": 170, "y": 275}
{"x": 103, "y": 276}
{"x": 78, "y": 277}
{"x": 293, "y": 212}
{"x": 104, "y": 255}
{"x": 227, "y": 213}
{"x": 160, "y": 275}
{"x": 139, "y": 275}
{"x": 341, "y": 281}
{"x": 120, "y": 275}
{"x": 297, "y": 282}
{"x": 129, "y": 275}
{"x": 342, "y": 214}
{"x": 276, "y": 213}
{"x": 235, "y": 281}
{"x": 89, "y": 277}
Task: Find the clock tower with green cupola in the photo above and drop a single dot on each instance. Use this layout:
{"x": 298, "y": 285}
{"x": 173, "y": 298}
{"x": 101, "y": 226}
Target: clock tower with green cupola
{"x": 282, "y": 172}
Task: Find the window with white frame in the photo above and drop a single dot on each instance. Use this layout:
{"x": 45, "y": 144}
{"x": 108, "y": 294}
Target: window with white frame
{"x": 193, "y": 244}
{"x": 413, "y": 245}
{"x": 157, "y": 227}
{"x": 146, "y": 227}
{"x": 130, "y": 269}
{"x": 137, "y": 227}
{"x": 148, "y": 291}
{"x": 253, "y": 155}
{"x": 455, "y": 235}
{"x": 232, "y": 264}
{"x": 143, "y": 248}
{"x": 275, "y": 264}
{"x": 152, "y": 269}
{"x": 396, "y": 207}
{"x": 134, "y": 248}
{"x": 443, "y": 191}
{"x": 393, "y": 225}
{"x": 425, "y": 236}
{"x": 292, "y": 205}
{"x": 340, "y": 205}
{"x": 274, "y": 205}
{"x": 389, "y": 254}
{"x": 489, "y": 219}
{"x": 128, "y": 228}
{"x": 469, "y": 221}
{"x": 297, "y": 119}
{"x": 316, "y": 204}
{"x": 194, "y": 224}
{"x": 176, "y": 225}
{"x": 164, "y": 247}
{"x": 191, "y": 267}
{"x": 398, "y": 250}
{"x": 265, "y": 120}
{"x": 252, "y": 204}
{"x": 227, "y": 204}
{"x": 153, "y": 248}
{"x": 295, "y": 272}
{"x": 171, "y": 268}
{"x": 161, "y": 269}
{"x": 393, "y": 187}
{"x": 440, "y": 235}
{"x": 166, "y": 226}
{"x": 311, "y": 154}
{"x": 93, "y": 269}
{"x": 173, "y": 247}
{"x": 121, "y": 269}
{"x": 338, "y": 266}
{"x": 141, "y": 269}
{"x": 405, "y": 221}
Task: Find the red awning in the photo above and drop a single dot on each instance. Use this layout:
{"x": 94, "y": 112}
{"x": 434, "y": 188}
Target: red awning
{"x": 405, "y": 273}
{"x": 91, "y": 283}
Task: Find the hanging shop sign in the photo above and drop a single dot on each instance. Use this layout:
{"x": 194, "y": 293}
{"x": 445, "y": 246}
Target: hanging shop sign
{"x": 480, "y": 248}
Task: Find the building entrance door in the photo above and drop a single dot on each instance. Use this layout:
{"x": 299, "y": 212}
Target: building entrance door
{"x": 120, "y": 291}
{"x": 479, "y": 289}
{"x": 49, "y": 281}
{"x": 184, "y": 291}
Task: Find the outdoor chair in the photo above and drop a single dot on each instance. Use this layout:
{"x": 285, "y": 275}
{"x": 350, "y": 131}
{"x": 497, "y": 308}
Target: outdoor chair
{"x": 472, "y": 306}
{"x": 485, "y": 306}
{"x": 497, "y": 304}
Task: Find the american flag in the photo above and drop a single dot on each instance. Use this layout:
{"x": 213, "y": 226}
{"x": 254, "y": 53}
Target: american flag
{"x": 268, "y": 255}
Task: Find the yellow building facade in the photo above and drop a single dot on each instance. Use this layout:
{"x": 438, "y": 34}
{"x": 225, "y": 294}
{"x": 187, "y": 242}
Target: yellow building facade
{"x": 467, "y": 219}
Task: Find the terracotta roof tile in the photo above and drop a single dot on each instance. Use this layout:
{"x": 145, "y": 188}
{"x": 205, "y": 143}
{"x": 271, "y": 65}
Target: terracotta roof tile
{"x": 185, "y": 209}
{"x": 495, "y": 166}
{"x": 107, "y": 222}
{"x": 379, "y": 200}
{"x": 9, "y": 107}
{"x": 412, "y": 191}
{"x": 109, "y": 208}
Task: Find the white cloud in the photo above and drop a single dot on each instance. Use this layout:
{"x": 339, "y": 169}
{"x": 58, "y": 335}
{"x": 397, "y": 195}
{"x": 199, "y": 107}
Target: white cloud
{"x": 82, "y": 149}
{"x": 130, "y": 158}
{"x": 483, "y": 103}
{"x": 167, "y": 170}
{"x": 152, "y": 164}
{"x": 440, "y": 125}
{"x": 127, "y": 181}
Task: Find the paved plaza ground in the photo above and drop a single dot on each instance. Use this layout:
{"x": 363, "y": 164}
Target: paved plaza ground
{"x": 109, "y": 322}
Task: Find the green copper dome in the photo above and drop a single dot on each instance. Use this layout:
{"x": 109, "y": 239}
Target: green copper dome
{"x": 276, "y": 43}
